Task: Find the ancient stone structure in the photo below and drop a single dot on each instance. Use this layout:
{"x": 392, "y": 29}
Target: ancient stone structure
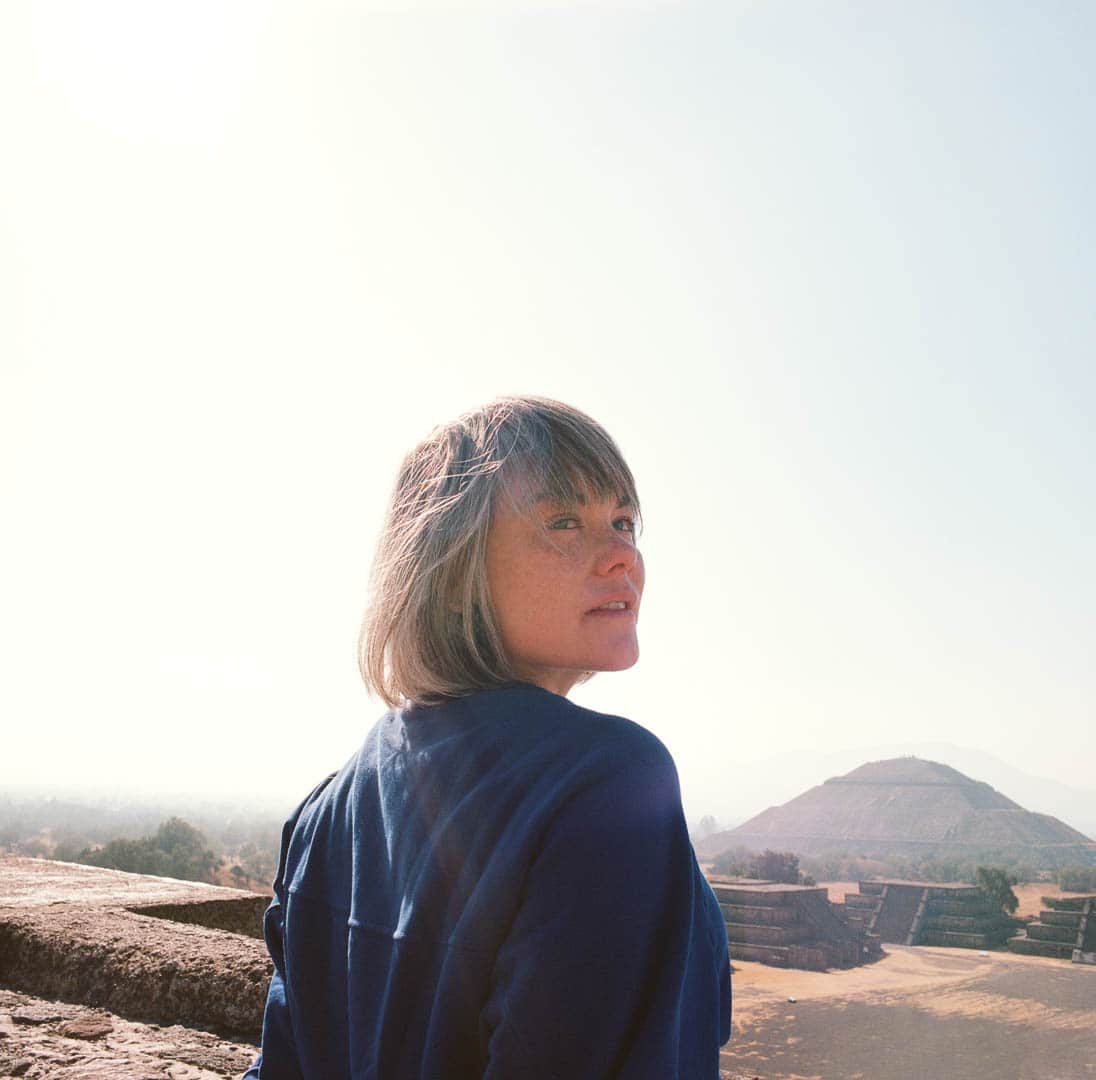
{"x": 928, "y": 913}
{"x": 790, "y": 926}
{"x": 907, "y": 806}
{"x": 1066, "y": 928}
{"x": 145, "y": 948}
{"x": 55, "y": 1040}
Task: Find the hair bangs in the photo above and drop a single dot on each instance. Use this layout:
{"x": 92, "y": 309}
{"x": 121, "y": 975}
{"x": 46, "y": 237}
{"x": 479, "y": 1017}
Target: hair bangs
{"x": 566, "y": 459}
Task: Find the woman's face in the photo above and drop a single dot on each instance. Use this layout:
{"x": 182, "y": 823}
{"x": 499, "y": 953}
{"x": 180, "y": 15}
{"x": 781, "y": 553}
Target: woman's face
{"x": 565, "y": 583}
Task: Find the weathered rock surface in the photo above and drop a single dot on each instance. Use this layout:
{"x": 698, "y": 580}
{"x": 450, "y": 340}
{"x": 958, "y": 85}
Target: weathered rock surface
{"x": 140, "y": 967}
{"x": 145, "y": 948}
{"x": 26, "y": 882}
{"x": 40, "y": 1039}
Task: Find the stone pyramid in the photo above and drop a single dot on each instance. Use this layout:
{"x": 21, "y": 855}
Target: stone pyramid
{"x": 907, "y": 806}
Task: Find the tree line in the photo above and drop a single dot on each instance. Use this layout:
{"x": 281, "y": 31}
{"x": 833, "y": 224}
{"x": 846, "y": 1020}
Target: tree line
{"x": 226, "y": 845}
{"x": 176, "y": 849}
{"x": 841, "y": 866}
{"x": 787, "y": 868}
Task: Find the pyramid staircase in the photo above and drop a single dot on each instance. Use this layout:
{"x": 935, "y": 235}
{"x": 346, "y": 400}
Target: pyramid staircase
{"x": 792, "y": 926}
{"x": 1066, "y": 929}
{"x": 928, "y": 913}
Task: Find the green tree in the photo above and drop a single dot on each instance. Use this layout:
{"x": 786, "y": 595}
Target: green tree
{"x": 780, "y": 866}
{"x": 997, "y": 882}
{"x": 1077, "y": 878}
{"x": 259, "y": 863}
{"x": 177, "y": 850}
{"x": 733, "y": 863}
{"x": 185, "y": 846}
{"x": 134, "y": 856}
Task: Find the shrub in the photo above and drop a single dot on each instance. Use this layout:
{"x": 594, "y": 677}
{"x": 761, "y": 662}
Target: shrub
{"x": 781, "y": 866}
{"x": 1077, "y": 878}
{"x": 176, "y": 850}
{"x": 997, "y": 883}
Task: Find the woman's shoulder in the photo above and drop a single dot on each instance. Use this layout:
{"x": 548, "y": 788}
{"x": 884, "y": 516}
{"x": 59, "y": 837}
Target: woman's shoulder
{"x": 532, "y": 714}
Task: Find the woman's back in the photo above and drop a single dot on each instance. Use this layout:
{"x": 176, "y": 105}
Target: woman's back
{"x": 498, "y": 886}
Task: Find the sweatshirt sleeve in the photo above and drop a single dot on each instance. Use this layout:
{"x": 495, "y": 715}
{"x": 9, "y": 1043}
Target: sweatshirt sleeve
{"x": 614, "y": 966}
{"x": 278, "y": 1059}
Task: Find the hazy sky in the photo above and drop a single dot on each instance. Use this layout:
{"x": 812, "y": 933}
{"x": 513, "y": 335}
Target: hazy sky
{"x": 825, "y": 270}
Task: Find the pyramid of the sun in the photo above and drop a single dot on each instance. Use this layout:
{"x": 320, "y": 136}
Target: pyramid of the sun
{"x": 907, "y": 806}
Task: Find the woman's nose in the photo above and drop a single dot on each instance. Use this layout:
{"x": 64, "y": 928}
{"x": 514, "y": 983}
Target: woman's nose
{"x": 618, "y": 553}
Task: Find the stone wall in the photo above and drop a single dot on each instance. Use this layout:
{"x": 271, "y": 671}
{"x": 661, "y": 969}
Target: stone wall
{"x": 145, "y": 948}
{"x": 55, "y": 1040}
{"x": 789, "y": 926}
{"x": 1065, "y": 929}
{"x": 929, "y": 913}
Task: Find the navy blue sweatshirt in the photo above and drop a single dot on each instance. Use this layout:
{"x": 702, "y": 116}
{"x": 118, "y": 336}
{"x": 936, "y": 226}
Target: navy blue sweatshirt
{"x": 501, "y": 886}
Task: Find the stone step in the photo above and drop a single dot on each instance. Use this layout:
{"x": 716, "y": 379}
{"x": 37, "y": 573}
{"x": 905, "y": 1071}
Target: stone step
{"x": 745, "y": 897}
{"x": 1066, "y": 935}
{"x": 963, "y": 894}
{"x": 1068, "y": 903}
{"x": 970, "y": 908}
{"x": 856, "y": 900}
{"x": 949, "y": 940}
{"x": 961, "y": 924}
{"x": 774, "y": 955}
{"x": 1030, "y": 947}
{"x": 201, "y": 977}
{"x": 810, "y": 956}
{"x": 767, "y": 916}
{"x": 754, "y": 934}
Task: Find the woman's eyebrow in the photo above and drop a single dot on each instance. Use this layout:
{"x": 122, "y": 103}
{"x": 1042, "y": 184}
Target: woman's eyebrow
{"x": 578, "y": 499}
{"x": 547, "y": 499}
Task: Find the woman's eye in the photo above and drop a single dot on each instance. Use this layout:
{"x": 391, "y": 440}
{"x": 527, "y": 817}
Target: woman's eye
{"x": 564, "y": 523}
{"x": 625, "y": 524}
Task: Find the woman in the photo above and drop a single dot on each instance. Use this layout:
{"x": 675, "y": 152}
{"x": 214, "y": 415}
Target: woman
{"x": 500, "y": 883}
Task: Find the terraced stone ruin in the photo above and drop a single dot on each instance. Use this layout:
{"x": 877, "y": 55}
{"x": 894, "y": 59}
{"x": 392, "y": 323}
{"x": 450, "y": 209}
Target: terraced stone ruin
{"x": 928, "y": 913}
{"x": 790, "y": 926}
{"x": 1066, "y": 928}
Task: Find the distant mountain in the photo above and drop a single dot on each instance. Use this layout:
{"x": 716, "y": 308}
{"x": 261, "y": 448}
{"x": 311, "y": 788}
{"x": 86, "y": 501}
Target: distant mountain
{"x": 757, "y": 785}
{"x": 907, "y": 806}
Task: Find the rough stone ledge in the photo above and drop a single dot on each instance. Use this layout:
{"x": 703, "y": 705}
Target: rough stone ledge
{"x": 237, "y": 915}
{"x": 26, "y": 882}
{"x": 40, "y": 1039}
{"x": 89, "y": 936}
{"x": 137, "y": 966}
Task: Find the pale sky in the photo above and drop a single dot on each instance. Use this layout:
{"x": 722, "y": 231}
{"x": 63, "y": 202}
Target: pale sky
{"x": 825, "y": 271}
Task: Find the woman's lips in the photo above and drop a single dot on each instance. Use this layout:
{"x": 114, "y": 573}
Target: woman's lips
{"x": 614, "y": 609}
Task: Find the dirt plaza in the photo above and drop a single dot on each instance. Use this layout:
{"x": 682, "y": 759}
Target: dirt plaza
{"x": 950, "y": 1014}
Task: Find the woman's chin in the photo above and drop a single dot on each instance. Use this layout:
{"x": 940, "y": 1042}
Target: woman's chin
{"x": 621, "y": 660}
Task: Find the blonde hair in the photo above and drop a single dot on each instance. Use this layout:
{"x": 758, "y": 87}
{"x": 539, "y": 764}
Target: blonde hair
{"x": 430, "y": 630}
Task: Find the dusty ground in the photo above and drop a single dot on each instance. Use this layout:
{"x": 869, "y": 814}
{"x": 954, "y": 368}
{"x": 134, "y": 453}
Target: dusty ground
{"x": 918, "y": 1012}
{"x": 40, "y": 1039}
{"x": 1030, "y": 896}
{"x": 836, "y": 889}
